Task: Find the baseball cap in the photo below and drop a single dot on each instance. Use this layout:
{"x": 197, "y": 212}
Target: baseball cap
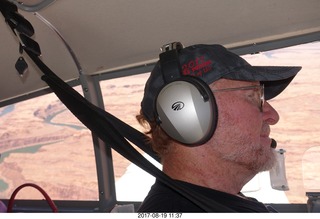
{"x": 213, "y": 62}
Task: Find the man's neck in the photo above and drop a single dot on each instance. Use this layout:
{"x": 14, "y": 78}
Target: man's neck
{"x": 208, "y": 171}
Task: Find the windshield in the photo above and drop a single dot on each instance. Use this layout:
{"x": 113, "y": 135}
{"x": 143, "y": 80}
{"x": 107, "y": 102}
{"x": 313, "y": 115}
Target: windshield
{"x": 42, "y": 142}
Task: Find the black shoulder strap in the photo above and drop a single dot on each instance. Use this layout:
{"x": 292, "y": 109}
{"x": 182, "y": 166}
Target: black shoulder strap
{"x": 101, "y": 123}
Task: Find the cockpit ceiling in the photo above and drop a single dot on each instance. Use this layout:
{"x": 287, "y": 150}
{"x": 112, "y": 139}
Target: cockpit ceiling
{"x": 96, "y": 36}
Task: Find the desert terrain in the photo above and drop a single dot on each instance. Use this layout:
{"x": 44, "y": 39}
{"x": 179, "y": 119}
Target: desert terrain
{"x": 42, "y": 142}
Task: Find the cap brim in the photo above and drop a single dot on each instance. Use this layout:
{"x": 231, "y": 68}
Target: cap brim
{"x": 275, "y": 79}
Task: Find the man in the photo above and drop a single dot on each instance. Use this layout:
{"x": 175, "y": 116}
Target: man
{"x": 215, "y": 159}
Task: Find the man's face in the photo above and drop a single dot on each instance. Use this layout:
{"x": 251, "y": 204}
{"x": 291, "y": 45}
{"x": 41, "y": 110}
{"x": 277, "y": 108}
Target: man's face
{"x": 242, "y": 134}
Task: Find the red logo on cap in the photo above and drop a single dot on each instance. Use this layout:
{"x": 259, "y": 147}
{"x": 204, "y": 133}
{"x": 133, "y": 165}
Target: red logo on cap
{"x": 197, "y": 67}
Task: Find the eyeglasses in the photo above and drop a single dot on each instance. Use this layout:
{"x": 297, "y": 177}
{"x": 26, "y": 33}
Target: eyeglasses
{"x": 256, "y": 88}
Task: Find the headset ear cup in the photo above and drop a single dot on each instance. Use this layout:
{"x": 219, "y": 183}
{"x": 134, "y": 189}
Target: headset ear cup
{"x": 187, "y": 111}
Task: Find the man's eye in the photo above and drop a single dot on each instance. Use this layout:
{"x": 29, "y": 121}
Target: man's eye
{"x": 254, "y": 96}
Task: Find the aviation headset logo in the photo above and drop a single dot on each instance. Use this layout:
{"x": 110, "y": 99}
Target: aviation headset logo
{"x": 177, "y": 106}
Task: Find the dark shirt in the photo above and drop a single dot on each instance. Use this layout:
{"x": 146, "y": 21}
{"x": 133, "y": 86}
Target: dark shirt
{"x": 161, "y": 198}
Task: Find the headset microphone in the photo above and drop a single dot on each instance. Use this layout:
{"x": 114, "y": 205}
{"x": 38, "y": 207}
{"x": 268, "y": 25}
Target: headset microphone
{"x": 273, "y": 143}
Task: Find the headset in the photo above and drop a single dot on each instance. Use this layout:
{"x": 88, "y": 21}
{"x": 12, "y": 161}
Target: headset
{"x": 185, "y": 106}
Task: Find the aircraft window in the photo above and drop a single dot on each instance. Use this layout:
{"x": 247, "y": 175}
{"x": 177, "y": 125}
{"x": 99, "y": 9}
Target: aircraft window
{"x": 310, "y": 169}
{"x": 41, "y": 142}
{"x": 122, "y": 97}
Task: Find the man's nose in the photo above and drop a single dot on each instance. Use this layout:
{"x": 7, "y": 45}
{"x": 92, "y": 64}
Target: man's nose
{"x": 270, "y": 115}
